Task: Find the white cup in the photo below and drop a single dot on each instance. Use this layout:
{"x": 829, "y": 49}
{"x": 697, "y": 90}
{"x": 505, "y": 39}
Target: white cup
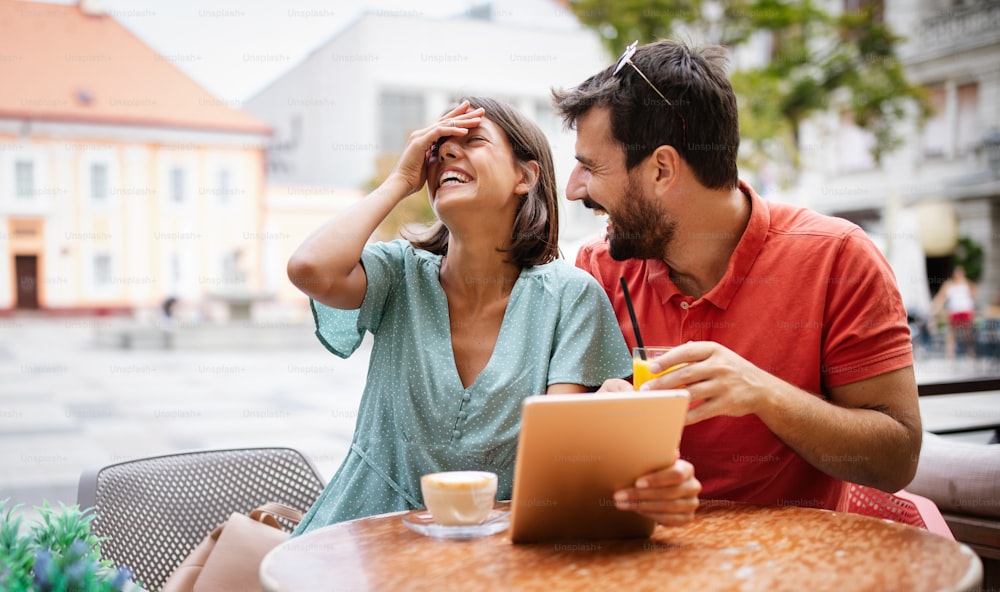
{"x": 459, "y": 498}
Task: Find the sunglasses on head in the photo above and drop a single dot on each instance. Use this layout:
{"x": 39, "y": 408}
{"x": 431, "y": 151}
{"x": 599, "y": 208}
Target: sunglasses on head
{"x": 627, "y": 59}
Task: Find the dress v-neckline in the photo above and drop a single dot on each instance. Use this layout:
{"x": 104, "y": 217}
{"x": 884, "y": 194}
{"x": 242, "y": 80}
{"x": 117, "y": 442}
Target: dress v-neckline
{"x": 500, "y": 334}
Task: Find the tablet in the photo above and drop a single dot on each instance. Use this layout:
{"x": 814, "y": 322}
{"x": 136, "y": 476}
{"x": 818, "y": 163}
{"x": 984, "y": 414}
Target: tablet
{"x": 575, "y": 451}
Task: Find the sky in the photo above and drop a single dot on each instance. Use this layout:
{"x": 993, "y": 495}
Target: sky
{"x": 234, "y": 48}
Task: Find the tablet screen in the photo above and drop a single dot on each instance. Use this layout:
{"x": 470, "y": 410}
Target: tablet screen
{"x": 574, "y": 451}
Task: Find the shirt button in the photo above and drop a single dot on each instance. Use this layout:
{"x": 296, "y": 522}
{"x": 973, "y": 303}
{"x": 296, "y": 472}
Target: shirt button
{"x": 685, "y": 305}
{"x": 456, "y": 434}
{"x": 466, "y": 397}
{"x": 462, "y": 415}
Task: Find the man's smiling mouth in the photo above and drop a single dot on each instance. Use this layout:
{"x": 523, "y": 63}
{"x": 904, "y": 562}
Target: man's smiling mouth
{"x": 596, "y": 207}
{"x": 600, "y": 212}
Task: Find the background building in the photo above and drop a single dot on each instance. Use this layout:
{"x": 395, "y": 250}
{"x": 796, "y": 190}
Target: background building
{"x": 122, "y": 181}
{"x": 347, "y": 109}
{"x": 944, "y": 182}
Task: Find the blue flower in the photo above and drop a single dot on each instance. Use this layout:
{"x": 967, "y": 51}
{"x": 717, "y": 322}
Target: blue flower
{"x": 121, "y": 578}
{"x": 77, "y": 571}
{"x": 77, "y": 550}
{"x": 43, "y": 560}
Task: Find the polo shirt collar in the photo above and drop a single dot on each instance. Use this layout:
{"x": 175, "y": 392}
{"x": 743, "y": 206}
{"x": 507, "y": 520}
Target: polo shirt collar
{"x": 746, "y": 251}
{"x": 742, "y": 259}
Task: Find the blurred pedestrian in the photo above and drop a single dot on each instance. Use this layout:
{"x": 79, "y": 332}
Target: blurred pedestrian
{"x": 957, "y": 299}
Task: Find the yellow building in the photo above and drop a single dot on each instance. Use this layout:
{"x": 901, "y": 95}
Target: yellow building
{"x": 122, "y": 181}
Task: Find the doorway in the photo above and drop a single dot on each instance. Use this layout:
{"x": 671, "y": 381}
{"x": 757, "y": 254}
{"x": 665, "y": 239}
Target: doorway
{"x": 26, "y": 268}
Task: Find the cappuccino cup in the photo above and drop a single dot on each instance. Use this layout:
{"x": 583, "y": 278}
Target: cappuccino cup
{"x": 459, "y": 498}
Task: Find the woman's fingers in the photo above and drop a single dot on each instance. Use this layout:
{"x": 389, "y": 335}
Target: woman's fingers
{"x": 457, "y": 110}
{"x": 463, "y": 120}
{"x": 459, "y": 125}
{"x": 422, "y": 145}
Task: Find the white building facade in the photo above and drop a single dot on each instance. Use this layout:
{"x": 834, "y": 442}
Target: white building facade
{"x": 97, "y": 217}
{"x": 122, "y": 181}
{"x": 353, "y": 101}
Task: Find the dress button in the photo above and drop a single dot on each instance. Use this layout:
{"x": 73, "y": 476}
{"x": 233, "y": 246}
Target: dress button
{"x": 685, "y": 305}
{"x": 456, "y": 434}
{"x": 466, "y": 397}
{"x": 462, "y": 415}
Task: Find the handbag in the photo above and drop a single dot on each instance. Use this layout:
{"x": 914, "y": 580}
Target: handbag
{"x": 229, "y": 557}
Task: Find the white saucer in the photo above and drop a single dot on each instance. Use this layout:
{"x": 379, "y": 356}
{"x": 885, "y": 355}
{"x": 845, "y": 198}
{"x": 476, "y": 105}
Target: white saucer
{"x": 423, "y": 523}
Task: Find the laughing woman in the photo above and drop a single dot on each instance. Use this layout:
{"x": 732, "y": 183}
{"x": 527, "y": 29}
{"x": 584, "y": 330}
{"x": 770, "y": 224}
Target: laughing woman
{"x": 467, "y": 322}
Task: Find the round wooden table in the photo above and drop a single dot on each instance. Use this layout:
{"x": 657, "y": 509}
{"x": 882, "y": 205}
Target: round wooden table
{"x": 727, "y": 547}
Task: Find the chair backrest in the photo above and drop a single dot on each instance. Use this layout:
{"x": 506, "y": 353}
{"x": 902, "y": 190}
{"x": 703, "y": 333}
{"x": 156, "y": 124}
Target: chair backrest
{"x": 155, "y": 510}
{"x": 902, "y": 506}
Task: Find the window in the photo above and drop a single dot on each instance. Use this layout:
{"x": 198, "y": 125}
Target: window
{"x": 935, "y": 137}
{"x": 99, "y": 182}
{"x": 175, "y": 268}
{"x": 552, "y": 126}
{"x": 24, "y": 178}
{"x": 399, "y": 114}
{"x": 102, "y": 269}
{"x": 223, "y": 186}
{"x": 968, "y": 131}
{"x": 855, "y": 145}
{"x": 547, "y": 119}
{"x": 177, "y": 185}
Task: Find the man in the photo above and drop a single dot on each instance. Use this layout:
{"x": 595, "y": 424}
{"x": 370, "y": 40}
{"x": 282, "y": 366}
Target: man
{"x": 794, "y": 336}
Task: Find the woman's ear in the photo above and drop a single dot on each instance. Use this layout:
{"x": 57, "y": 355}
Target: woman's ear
{"x": 529, "y": 176}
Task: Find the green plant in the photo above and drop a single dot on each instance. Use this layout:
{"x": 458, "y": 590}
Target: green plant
{"x": 969, "y": 254}
{"x": 415, "y": 209}
{"x": 56, "y": 554}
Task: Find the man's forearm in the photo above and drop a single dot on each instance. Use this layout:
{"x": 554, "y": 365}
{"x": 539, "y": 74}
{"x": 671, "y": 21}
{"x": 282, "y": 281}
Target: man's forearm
{"x": 875, "y": 446}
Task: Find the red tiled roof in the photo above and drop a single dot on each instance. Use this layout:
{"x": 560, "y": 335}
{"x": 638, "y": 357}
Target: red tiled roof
{"x": 57, "y": 63}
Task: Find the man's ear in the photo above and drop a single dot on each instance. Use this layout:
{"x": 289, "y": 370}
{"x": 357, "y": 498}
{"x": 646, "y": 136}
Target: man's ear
{"x": 529, "y": 176}
{"x": 667, "y": 162}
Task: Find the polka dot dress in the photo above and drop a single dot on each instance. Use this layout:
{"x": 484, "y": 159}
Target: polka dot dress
{"x": 415, "y": 415}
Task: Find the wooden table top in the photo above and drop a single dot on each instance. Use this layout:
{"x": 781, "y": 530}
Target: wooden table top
{"x": 727, "y": 547}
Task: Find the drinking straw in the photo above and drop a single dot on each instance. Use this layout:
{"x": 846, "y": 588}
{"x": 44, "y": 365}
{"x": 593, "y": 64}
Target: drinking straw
{"x": 631, "y": 314}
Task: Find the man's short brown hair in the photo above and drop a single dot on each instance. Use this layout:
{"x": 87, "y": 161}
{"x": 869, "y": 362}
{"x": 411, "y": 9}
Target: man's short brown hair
{"x": 701, "y": 122}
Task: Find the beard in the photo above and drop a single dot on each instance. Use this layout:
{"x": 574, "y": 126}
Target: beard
{"x": 642, "y": 230}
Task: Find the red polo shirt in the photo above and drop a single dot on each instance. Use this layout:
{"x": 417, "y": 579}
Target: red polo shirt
{"x": 807, "y": 298}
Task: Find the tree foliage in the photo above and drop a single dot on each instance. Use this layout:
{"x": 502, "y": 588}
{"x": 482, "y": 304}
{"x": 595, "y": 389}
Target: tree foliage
{"x": 413, "y": 212}
{"x": 817, "y": 61}
{"x": 969, "y": 254}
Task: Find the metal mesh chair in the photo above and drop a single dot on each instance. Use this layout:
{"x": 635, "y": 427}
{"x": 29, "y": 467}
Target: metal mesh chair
{"x": 155, "y": 510}
{"x": 902, "y": 506}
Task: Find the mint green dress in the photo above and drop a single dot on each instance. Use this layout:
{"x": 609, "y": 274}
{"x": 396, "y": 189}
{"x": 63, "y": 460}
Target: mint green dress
{"x": 415, "y": 416}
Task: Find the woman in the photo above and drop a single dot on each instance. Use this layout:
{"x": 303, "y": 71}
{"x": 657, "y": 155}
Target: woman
{"x": 466, "y": 323}
{"x": 958, "y": 295}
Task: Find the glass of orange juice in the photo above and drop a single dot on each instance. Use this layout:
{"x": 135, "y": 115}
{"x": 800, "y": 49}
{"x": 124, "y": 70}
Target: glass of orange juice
{"x": 641, "y": 357}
